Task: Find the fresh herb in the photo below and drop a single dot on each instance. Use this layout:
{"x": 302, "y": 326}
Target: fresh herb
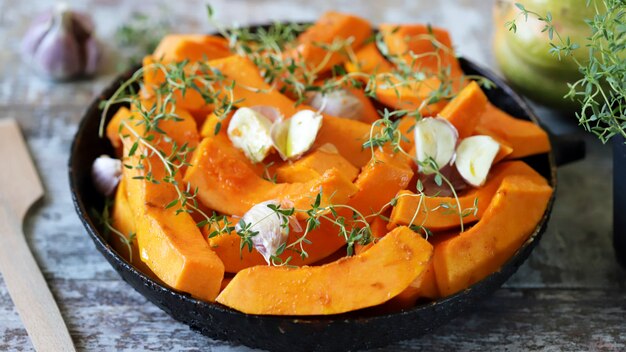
{"x": 601, "y": 90}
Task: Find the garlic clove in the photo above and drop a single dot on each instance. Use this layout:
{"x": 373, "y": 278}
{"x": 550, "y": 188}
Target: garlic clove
{"x": 340, "y": 103}
{"x": 435, "y": 138}
{"x": 106, "y": 173}
{"x": 295, "y": 136}
{"x": 270, "y": 227}
{"x": 249, "y": 131}
{"x": 474, "y": 158}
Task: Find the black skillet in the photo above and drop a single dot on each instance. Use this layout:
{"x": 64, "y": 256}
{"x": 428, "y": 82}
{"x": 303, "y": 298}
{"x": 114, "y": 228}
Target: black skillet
{"x": 355, "y": 330}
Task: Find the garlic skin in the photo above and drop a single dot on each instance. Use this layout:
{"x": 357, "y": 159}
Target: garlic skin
{"x": 269, "y": 224}
{"x": 295, "y": 136}
{"x": 340, "y": 103}
{"x": 270, "y": 112}
{"x": 106, "y": 174}
{"x": 60, "y": 45}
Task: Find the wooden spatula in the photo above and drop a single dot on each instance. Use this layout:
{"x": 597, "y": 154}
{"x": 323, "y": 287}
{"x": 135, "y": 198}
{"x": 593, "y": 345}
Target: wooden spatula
{"x": 19, "y": 189}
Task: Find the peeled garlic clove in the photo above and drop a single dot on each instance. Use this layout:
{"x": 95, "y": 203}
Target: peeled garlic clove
{"x": 61, "y": 45}
{"x": 270, "y": 228}
{"x": 435, "y": 138}
{"x": 340, "y": 103}
{"x": 474, "y": 158}
{"x": 295, "y": 136}
{"x": 270, "y": 112}
{"x": 249, "y": 131}
{"x": 106, "y": 173}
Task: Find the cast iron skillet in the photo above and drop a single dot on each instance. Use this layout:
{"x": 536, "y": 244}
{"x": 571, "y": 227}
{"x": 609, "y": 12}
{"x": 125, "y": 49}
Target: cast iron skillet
{"x": 355, "y": 330}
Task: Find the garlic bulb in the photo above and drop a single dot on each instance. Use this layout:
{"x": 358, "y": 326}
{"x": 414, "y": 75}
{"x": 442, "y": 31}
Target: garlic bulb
{"x": 340, "y": 103}
{"x": 61, "y": 44}
{"x": 106, "y": 173}
{"x": 270, "y": 228}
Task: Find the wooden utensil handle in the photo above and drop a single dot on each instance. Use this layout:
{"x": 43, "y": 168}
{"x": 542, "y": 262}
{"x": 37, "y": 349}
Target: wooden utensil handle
{"x": 28, "y": 289}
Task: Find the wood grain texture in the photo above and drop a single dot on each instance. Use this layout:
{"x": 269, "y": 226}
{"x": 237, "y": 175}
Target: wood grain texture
{"x": 23, "y": 278}
{"x": 570, "y": 295}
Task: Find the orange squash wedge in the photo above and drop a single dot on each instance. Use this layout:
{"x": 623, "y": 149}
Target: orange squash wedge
{"x": 314, "y": 164}
{"x": 345, "y": 285}
{"x": 524, "y": 137}
{"x": 170, "y": 244}
{"x": 465, "y": 110}
{"x": 510, "y": 219}
{"x": 182, "y": 131}
{"x": 191, "y": 47}
{"x": 329, "y": 28}
{"x": 432, "y": 45}
{"x": 380, "y": 180}
{"x": 368, "y": 59}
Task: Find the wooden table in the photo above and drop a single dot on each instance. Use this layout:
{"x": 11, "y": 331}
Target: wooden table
{"x": 570, "y": 294}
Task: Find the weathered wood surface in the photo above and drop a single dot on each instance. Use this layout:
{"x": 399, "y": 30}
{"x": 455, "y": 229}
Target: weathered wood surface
{"x": 570, "y": 295}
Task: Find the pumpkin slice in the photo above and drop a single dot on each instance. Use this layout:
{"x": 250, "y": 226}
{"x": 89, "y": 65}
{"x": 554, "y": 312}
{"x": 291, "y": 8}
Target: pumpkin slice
{"x": 123, "y": 220}
{"x": 425, "y": 286}
{"x": 210, "y": 125}
{"x": 192, "y": 100}
{"x": 250, "y": 89}
{"x": 324, "y": 241}
{"x": 177, "y": 48}
{"x": 368, "y": 59}
{"x": 170, "y": 244}
{"x": 113, "y": 129}
{"x": 466, "y": 109}
{"x": 345, "y": 285}
{"x": 524, "y": 137}
{"x": 384, "y": 176}
{"x": 330, "y": 28}
{"x": 314, "y": 165}
{"x": 347, "y": 136}
{"x": 413, "y": 209}
{"x": 191, "y": 47}
{"x": 432, "y": 44}
{"x": 183, "y": 131}
{"x": 510, "y": 219}
{"x": 228, "y": 185}
{"x": 414, "y": 96}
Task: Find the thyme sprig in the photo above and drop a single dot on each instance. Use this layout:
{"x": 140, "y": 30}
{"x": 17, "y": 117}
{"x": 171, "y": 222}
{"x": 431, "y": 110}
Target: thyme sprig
{"x": 601, "y": 90}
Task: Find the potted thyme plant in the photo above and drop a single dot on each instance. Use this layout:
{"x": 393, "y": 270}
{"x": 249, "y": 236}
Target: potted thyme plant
{"x": 593, "y": 41}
